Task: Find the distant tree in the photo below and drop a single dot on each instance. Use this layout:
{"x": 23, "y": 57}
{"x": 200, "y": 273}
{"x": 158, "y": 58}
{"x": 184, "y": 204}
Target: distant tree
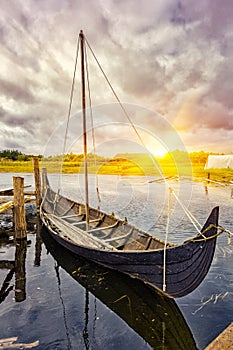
{"x": 199, "y": 158}
{"x": 24, "y": 157}
{"x": 10, "y": 154}
{"x": 15, "y": 155}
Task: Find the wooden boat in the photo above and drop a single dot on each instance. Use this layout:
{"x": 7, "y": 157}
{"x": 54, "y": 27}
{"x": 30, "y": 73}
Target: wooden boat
{"x": 149, "y": 312}
{"x": 119, "y": 245}
{"x": 107, "y": 240}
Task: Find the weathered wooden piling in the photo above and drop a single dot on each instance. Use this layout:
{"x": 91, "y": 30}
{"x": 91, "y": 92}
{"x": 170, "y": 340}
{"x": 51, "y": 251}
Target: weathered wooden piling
{"x": 37, "y": 182}
{"x": 19, "y": 211}
{"x": 44, "y": 176}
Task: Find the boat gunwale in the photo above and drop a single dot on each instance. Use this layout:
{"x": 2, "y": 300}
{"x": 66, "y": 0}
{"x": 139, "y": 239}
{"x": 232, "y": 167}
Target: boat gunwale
{"x": 134, "y": 262}
{"x": 190, "y": 241}
{"x": 116, "y": 220}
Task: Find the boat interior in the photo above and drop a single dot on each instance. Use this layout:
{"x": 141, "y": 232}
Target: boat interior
{"x": 105, "y": 229}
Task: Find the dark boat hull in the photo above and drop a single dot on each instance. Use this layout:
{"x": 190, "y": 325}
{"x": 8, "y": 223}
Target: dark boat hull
{"x": 186, "y": 264}
{"x": 186, "y": 267}
{"x": 155, "y": 317}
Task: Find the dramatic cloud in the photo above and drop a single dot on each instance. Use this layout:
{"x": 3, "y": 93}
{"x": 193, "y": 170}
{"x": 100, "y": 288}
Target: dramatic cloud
{"x": 168, "y": 56}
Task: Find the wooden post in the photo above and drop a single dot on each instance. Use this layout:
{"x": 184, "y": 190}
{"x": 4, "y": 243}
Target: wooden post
{"x": 44, "y": 184}
{"x": 37, "y": 182}
{"x": 19, "y": 211}
{"x": 82, "y": 44}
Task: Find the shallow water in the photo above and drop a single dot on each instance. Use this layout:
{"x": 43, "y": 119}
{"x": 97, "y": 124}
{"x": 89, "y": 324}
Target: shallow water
{"x": 63, "y": 309}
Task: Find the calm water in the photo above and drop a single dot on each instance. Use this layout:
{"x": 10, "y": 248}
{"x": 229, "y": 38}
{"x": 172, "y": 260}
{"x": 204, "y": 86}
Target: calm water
{"x": 68, "y": 303}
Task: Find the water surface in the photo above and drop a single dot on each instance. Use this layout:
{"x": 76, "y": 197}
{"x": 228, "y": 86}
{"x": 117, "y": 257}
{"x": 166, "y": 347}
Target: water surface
{"x": 69, "y": 303}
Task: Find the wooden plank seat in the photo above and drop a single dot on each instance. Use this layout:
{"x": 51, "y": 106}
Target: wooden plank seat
{"x": 65, "y": 229}
{"x": 76, "y": 223}
{"x": 69, "y": 216}
{"x": 103, "y": 228}
{"x": 98, "y": 221}
{"x": 126, "y": 235}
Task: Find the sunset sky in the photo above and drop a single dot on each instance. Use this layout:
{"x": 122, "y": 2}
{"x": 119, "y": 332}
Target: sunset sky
{"x": 170, "y": 62}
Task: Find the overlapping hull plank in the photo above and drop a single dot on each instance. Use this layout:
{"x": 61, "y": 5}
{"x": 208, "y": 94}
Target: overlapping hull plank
{"x": 120, "y": 246}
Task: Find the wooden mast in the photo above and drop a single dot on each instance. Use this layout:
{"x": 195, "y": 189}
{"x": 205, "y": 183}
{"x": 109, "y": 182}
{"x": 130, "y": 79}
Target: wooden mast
{"x": 81, "y": 36}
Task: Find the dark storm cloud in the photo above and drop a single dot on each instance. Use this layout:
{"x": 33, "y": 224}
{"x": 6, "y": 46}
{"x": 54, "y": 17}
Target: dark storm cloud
{"x": 172, "y": 56}
{"x": 16, "y": 92}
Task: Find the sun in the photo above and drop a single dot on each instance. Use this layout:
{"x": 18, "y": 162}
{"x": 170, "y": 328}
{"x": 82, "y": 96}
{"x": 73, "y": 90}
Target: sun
{"x": 159, "y": 152}
{"x": 154, "y": 145}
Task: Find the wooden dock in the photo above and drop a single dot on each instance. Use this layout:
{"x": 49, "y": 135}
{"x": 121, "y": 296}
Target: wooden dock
{"x": 223, "y": 341}
{"x": 17, "y": 211}
{"x": 10, "y": 191}
{"x": 17, "y": 204}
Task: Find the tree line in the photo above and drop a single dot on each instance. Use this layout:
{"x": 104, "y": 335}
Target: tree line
{"x": 16, "y": 155}
{"x": 71, "y": 157}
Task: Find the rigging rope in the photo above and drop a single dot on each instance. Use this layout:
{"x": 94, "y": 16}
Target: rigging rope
{"x": 166, "y": 240}
{"x": 193, "y": 220}
{"x": 196, "y": 223}
{"x": 92, "y": 124}
{"x": 229, "y": 233}
{"x": 191, "y": 217}
{"x": 121, "y": 105}
{"x": 69, "y": 112}
{"x": 92, "y": 129}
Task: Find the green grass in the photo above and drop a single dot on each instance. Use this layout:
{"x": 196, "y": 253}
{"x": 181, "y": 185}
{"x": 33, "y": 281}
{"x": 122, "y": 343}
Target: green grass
{"x": 7, "y": 166}
{"x": 224, "y": 175}
{"x": 127, "y": 167}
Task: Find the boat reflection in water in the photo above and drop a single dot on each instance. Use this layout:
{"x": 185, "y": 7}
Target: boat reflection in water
{"x": 151, "y": 314}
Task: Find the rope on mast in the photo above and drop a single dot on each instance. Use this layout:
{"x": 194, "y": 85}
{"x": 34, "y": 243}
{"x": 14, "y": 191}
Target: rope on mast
{"x": 121, "y": 105}
{"x": 114, "y": 93}
{"x": 82, "y": 45}
{"x": 69, "y": 111}
{"x": 92, "y": 129}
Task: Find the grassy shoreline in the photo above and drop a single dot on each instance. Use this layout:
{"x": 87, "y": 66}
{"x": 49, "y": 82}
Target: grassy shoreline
{"x": 125, "y": 168}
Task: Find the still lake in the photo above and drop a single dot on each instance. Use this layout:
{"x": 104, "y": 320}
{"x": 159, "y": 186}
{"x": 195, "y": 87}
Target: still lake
{"x": 70, "y": 303}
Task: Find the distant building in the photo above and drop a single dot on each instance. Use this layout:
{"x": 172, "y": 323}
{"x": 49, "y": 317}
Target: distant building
{"x": 219, "y": 162}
